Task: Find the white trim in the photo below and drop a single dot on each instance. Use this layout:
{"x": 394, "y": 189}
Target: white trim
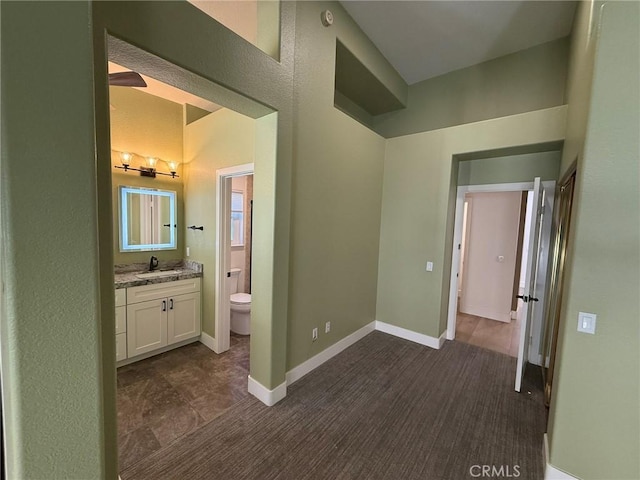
{"x": 208, "y": 341}
{"x": 411, "y": 335}
{"x": 497, "y": 187}
{"x": 266, "y": 396}
{"x": 314, "y": 362}
{"x": 457, "y": 237}
{"x": 221, "y": 314}
{"x": 551, "y": 472}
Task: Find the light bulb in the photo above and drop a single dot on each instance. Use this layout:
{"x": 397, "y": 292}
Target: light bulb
{"x": 151, "y": 162}
{"x": 173, "y": 166}
{"x": 125, "y": 158}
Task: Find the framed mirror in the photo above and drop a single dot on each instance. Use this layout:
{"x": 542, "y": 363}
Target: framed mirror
{"x": 147, "y": 219}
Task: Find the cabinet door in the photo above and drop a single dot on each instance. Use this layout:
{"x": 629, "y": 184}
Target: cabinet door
{"x": 146, "y": 326}
{"x": 184, "y": 317}
{"x": 121, "y": 346}
{"x": 121, "y": 319}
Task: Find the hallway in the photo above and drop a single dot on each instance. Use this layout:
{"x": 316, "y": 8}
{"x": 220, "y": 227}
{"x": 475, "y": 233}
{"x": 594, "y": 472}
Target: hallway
{"x": 490, "y": 334}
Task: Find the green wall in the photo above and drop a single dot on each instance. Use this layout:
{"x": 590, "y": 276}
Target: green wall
{"x": 509, "y": 169}
{"x": 594, "y": 425}
{"x": 57, "y": 372}
{"x": 531, "y": 79}
{"x": 420, "y": 177}
{"x": 221, "y": 139}
{"x": 322, "y": 260}
{"x": 337, "y": 193}
{"x": 579, "y": 77}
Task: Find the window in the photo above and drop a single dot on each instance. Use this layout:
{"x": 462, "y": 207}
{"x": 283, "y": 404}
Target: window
{"x": 237, "y": 218}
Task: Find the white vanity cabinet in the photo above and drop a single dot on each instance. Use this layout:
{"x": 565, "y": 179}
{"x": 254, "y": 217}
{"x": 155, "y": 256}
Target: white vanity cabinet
{"x": 162, "y": 314}
{"x": 121, "y": 324}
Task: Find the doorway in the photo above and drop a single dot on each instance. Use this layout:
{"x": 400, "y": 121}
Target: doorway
{"x": 530, "y": 334}
{"x": 164, "y": 397}
{"x": 554, "y": 302}
{"x": 494, "y": 224}
{"x": 234, "y": 225}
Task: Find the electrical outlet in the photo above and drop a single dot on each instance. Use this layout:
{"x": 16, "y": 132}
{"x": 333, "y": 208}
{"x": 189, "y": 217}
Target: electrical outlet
{"x": 314, "y": 334}
{"x": 429, "y": 267}
{"x": 327, "y": 327}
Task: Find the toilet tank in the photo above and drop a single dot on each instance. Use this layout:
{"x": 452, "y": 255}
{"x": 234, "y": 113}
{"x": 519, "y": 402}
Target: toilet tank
{"x": 233, "y": 280}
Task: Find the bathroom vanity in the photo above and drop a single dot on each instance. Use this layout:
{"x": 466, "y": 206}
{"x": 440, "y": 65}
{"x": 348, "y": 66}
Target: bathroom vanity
{"x": 156, "y": 313}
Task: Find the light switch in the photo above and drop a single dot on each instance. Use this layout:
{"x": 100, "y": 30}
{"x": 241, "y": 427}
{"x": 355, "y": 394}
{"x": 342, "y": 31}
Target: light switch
{"x": 587, "y": 322}
{"x": 429, "y": 266}
{"x": 188, "y": 251}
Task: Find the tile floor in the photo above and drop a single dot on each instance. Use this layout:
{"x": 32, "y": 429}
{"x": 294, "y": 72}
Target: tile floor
{"x": 491, "y": 334}
{"x": 166, "y": 396}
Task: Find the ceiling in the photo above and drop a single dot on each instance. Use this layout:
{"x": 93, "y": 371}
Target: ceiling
{"x": 424, "y": 39}
{"x": 162, "y": 90}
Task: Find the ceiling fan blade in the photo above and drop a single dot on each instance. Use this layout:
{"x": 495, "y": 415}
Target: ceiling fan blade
{"x": 126, "y": 79}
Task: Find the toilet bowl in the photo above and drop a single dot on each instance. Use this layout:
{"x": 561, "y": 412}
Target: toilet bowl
{"x": 241, "y": 313}
{"x": 240, "y": 305}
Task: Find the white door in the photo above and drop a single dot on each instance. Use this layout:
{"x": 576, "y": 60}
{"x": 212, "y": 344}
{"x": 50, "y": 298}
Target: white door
{"x": 530, "y": 296}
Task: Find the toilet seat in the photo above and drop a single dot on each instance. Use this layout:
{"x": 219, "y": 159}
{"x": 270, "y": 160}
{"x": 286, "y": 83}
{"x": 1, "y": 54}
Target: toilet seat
{"x": 241, "y": 298}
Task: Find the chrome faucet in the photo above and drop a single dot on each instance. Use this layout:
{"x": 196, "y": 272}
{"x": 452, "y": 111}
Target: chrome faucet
{"x": 153, "y": 263}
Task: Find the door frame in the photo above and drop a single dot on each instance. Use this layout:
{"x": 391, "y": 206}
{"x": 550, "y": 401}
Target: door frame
{"x": 222, "y": 339}
{"x": 457, "y": 239}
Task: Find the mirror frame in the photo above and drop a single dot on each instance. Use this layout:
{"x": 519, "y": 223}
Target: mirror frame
{"x": 124, "y": 227}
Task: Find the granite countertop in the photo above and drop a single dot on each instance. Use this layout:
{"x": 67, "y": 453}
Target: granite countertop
{"x": 126, "y": 275}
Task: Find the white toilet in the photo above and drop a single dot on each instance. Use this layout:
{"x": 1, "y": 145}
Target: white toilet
{"x": 240, "y": 306}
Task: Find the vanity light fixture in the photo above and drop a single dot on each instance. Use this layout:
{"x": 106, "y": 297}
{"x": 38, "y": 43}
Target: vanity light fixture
{"x": 150, "y": 170}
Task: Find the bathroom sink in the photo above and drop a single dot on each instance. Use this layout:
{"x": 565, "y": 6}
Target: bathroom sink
{"x": 159, "y": 273}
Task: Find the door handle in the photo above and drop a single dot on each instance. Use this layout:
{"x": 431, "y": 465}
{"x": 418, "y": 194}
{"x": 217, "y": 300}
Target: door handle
{"x": 164, "y": 305}
{"x": 171, "y": 304}
{"x": 526, "y": 298}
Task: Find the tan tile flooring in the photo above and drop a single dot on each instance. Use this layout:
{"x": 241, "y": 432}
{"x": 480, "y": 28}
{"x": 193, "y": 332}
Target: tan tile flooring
{"x": 491, "y": 334}
{"x": 166, "y": 396}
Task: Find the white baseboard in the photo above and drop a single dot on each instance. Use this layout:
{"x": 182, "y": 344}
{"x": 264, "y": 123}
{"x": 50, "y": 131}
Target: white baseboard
{"x": 271, "y": 397}
{"x": 411, "y": 335}
{"x": 551, "y": 472}
{"x": 208, "y": 341}
{"x": 266, "y": 396}
{"x": 314, "y": 362}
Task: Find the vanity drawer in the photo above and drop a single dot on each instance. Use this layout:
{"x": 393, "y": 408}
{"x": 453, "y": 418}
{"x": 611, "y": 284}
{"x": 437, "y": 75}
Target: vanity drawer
{"x": 121, "y": 319}
{"x": 156, "y": 291}
{"x": 121, "y": 297}
{"x": 121, "y": 347}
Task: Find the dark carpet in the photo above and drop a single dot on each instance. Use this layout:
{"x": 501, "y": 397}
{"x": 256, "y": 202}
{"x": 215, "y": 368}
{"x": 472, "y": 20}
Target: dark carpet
{"x": 385, "y": 408}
